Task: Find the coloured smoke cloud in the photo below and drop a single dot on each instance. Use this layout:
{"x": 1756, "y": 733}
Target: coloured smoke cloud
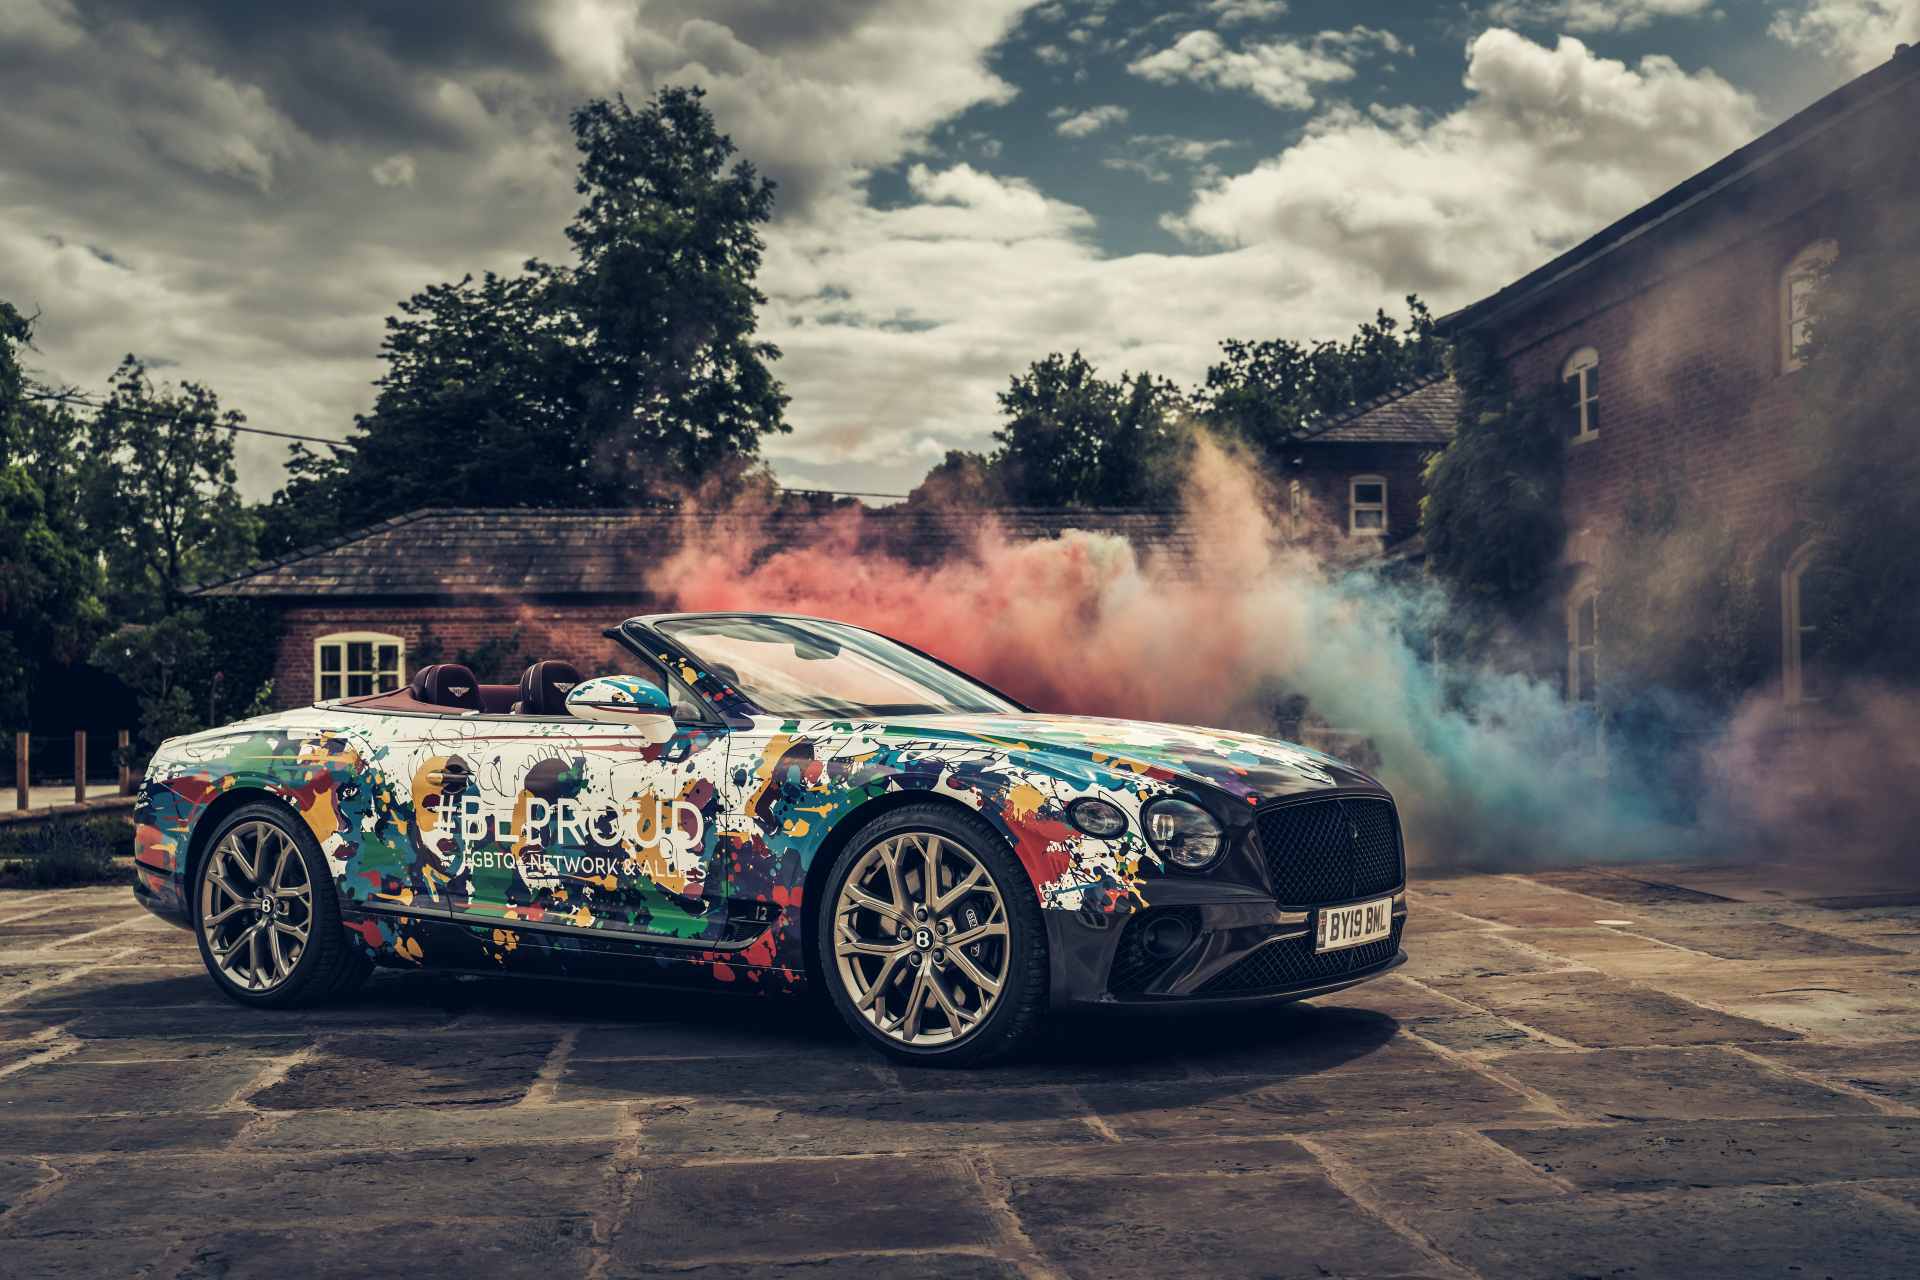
{"x": 1485, "y": 765}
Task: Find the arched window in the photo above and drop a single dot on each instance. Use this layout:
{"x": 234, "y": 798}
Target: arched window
{"x": 1581, "y": 374}
{"x": 1798, "y": 285}
{"x": 1296, "y": 506}
{"x": 352, "y": 664}
{"x": 1367, "y": 505}
{"x": 1803, "y": 607}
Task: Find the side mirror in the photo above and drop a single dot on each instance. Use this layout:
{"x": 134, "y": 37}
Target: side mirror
{"x": 618, "y": 699}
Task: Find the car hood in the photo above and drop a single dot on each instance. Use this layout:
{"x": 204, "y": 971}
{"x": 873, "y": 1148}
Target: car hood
{"x": 1244, "y": 766}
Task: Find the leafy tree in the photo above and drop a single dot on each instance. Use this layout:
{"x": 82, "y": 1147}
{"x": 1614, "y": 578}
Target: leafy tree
{"x": 1856, "y": 396}
{"x": 1273, "y": 392}
{"x": 1491, "y": 515}
{"x": 632, "y": 373}
{"x": 159, "y": 492}
{"x": 961, "y": 479}
{"x": 162, "y": 662}
{"x": 50, "y": 608}
{"x": 1074, "y": 439}
{"x": 667, "y": 247}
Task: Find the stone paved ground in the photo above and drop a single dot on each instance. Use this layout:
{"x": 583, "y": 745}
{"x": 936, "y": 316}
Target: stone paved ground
{"x": 1579, "y": 1074}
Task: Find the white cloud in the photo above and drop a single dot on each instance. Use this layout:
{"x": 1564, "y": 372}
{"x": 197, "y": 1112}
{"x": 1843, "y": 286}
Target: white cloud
{"x": 397, "y": 170}
{"x": 1587, "y": 16}
{"x": 1154, "y": 155}
{"x": 1281, "y": 73}
{"x": 1230, "y": 12}
{"x": 1552, "y": 144}
{"x": 1858, "y": 34}
{"x": 209, "y": 157}
{"x": 1079, "y": 124}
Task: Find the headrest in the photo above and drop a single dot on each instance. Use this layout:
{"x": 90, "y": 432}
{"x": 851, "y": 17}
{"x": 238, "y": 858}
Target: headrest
{"x": 544, "y": 687}
{"x": 446, "y": 684}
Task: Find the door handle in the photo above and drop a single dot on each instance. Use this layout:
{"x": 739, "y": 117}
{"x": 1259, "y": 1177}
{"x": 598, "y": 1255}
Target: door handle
{"x": 452, "y": 776}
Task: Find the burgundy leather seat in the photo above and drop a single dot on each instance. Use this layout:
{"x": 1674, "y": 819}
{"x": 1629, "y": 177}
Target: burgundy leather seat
{"x": 446, "y": 684}
{"x": 544, "y": 687}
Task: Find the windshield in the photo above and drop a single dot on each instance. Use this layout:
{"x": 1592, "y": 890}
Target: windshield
{"x": 805, "y": 667}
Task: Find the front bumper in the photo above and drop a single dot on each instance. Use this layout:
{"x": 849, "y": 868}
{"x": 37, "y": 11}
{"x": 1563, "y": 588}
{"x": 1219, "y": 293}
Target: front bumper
{"x": 1245, "y": 951}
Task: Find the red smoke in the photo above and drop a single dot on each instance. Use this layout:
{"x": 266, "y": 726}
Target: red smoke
{"x": 1082, "y": 623}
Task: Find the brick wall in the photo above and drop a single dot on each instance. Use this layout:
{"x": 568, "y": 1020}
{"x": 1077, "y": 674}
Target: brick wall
{"x": 528, "y": 632}
{"x": 1687, "y": 322}
{"x": 1324, "y": 471}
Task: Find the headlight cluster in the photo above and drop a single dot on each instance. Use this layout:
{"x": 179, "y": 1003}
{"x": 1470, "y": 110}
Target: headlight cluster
{"x": 1182, "y": 832}
{"x": 1179, "y": 830}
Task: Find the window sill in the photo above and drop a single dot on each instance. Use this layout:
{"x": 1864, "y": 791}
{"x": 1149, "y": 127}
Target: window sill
{"x": 1588, "y": 438}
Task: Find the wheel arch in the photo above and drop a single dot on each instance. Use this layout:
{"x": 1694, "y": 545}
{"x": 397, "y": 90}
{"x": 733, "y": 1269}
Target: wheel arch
{"x": 209, "y": 822}
{"x": 856, "y": 821}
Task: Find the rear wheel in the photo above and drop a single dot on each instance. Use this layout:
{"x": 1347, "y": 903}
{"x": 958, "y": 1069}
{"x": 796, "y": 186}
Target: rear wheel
{"x": 266, "y": 916}
{"x": 930, "y": 939}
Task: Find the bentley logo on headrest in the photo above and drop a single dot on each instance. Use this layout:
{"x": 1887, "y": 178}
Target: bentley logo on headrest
{"x": 459, "y": 690}
{"x": 562, "y": 686}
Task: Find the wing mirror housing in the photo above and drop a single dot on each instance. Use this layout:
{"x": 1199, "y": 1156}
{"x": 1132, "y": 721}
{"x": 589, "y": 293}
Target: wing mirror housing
{"x": 618, "y": 700}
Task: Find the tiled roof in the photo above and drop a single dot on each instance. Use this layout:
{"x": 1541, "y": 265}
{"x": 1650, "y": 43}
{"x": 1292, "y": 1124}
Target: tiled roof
{"x": 1424, "y": 413}
{"x": 517, "y": 552}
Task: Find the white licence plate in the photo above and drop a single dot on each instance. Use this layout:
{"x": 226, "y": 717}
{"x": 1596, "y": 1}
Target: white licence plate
{"x": 1353, "y": 926}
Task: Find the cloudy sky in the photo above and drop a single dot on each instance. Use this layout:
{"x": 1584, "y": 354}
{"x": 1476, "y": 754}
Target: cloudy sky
{"x": 239, "y": 192}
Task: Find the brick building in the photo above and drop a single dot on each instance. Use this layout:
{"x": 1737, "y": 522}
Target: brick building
{"x": 498, "y": 589}
{"x": 1672, "y": 339}
{"x": 1355, "y": 484}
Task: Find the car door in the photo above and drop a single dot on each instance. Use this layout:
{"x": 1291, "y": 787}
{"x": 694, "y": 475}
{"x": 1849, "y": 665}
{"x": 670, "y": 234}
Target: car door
{"x": 576, "y": 827}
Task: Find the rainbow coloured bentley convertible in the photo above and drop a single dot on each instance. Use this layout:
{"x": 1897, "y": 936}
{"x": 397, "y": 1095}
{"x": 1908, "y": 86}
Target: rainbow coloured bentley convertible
{"x": 770, "y": 802}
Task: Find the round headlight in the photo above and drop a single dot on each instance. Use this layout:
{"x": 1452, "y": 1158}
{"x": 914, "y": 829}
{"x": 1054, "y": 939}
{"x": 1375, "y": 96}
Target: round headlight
{"x": 1182, "y": 832}
{"x": 1096, "y": 817}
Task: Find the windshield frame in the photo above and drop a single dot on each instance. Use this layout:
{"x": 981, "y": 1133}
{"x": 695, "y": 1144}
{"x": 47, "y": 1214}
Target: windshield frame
{"x": 645, "y": 631}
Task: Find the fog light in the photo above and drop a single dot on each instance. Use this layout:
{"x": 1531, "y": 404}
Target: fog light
{"x": 1166, "y": 937}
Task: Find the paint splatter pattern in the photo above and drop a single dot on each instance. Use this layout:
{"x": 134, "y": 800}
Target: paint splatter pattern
{"x": 537, "y": 837}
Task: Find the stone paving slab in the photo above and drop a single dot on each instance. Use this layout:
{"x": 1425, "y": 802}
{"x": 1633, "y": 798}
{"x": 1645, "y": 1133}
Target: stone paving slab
{"x": 865, "y": 1124}
{"x": 1722, "y": 1153}
{"x": 367, "y": 1072}
{"x": 366, "y": 1188}
{"x": 1890, "y": 1071}
{"x": 1598, "y": 1011}
{"x": 59, "y": 1088}
{"x": 769, "y": 1210}
{"x": 1715, "y": 1081}
{"x": 1730, "y": 1234}
{"x": 1090, "y": 1225}
{"x": 1672, "y": 1084}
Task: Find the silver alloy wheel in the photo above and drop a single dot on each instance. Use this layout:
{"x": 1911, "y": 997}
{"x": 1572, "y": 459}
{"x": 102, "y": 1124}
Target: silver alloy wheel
{"x": 920, "y": 939}
{"x": 256, "y": 905}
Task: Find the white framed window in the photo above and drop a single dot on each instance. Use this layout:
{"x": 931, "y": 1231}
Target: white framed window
{"x": 1583, "y": 670}
{"x": 1367, "y": 505}
{"x": 1798, "y": 285}
{"x": 1296, "y": 505}
{"x": 352, "y": 664}
{"x": 1583, "y": 648}
{"x": 1581, "y": 375}
{"x": 1802, "y": 674}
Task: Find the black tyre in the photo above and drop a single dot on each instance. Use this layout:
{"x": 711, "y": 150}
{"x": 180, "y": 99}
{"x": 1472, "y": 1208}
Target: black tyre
{"x": 929, "y": 939}
{"x": 266, "y": 914}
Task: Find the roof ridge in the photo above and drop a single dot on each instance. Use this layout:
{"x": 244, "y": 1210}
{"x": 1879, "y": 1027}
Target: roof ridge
{"x": 313, "y": 549}
{"x": 1399, "y": 391}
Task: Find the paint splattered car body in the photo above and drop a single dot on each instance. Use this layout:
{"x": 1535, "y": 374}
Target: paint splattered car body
{"x": 488, "y": 836}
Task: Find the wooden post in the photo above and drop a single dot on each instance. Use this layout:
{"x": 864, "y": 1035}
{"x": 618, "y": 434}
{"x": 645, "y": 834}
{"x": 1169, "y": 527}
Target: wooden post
{"x": 20, "y": 741}
{"x": 79, "y": 766}
{"x": 126, "y": 763}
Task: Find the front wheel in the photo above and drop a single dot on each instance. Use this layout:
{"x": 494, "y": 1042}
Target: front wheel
{"x": 930, "y": 939}
{"x": 266, "y": 915}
